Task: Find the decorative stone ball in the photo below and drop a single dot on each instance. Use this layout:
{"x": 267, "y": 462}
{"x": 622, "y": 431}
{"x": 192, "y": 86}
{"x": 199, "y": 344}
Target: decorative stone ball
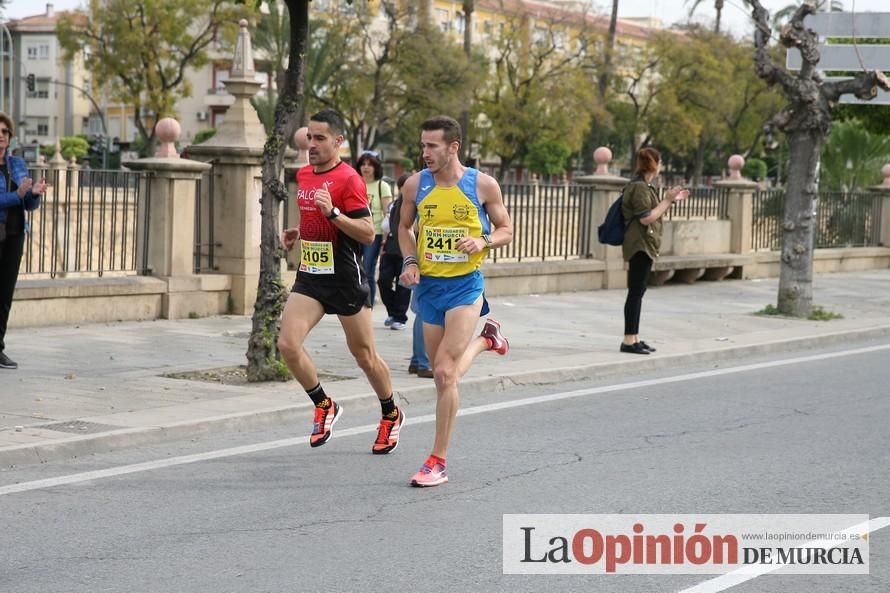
{"x": 168, "y": 130}
{"x": 243, "y": 23}
{"x": 602, "y": 155}
{"x": 736, "y": 162}
{"x": 301, "y": 139}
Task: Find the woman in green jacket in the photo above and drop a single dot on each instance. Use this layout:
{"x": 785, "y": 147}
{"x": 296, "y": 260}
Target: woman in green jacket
{"x": 642, "y": 211}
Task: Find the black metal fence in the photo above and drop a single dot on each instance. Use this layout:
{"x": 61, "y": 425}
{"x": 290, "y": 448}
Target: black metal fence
{"x": 205, "y": 224}
{"x": 548, "y": 222}
{"x": 86, "y": 224}
{"x": 704, "y": 203}
{"x": 552, "y": 222}
{"x": 842, "y": 220}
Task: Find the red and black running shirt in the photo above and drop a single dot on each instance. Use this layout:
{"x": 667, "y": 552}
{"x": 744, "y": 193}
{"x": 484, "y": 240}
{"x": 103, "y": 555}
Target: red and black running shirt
{"x": 320, "y": 238}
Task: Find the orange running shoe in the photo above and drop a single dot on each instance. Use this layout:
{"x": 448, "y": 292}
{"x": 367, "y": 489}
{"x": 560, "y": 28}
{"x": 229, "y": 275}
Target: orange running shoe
{"x": 324, "y": 423}
{"x": 388, "y": 434}
{"x": 430, "y": 474}
{"x": 491, "y": 331}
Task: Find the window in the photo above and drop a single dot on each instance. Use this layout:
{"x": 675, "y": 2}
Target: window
{"x": 221, "y": 76}
{"x": 460, "y": 22}
{"x": 32, "y": 52}
{"x": 444, "y": 20}
{"x": 43, "y": 127}
{"x": 43, "y": 50}
{"x": 41, "y": 89}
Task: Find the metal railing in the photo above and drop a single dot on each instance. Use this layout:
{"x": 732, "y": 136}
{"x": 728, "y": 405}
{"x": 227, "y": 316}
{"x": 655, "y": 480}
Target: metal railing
{"x": 766, "y": 219}
{"x": 842, "y": 220}
{"x": 548, "y": 222}
{"x": 704, "y": 203}
{"x": 205, "y": 224}
{"x": 86, "y": 225}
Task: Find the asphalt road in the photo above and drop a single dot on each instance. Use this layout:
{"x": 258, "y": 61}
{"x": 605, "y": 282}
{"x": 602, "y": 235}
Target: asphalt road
{"x": 262, "y": 512}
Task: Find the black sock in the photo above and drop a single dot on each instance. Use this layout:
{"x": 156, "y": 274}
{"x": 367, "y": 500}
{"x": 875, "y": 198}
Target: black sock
{"x": 388, "y": 407}
{"x": 319, "y": 397}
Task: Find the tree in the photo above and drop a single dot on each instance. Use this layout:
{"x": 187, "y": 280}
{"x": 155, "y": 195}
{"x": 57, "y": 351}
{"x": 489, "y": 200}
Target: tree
{"x": 548, "y": 157}
{"x": 379, "y": 77}
{"x": 468, "y": 7}
{"x": 806, "y": 121}
{"x": 853, "y": 157}
{"x": 71, "y": 147}
{"x": 718, "y": 7}
{"x": 272, "y": 38}
{"x": 263, "y": 360}
{"x": 785, "y": 13}
{"x": 710, "y": 101}
{"x": 537, "y": 89}
{"x": 142, "y": 50}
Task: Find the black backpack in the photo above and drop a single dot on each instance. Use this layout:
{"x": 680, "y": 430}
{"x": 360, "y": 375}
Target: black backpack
{"x": 611, "y": 232}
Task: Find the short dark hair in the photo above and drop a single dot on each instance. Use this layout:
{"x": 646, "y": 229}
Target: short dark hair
{"x": 402, "y": 179}
{"x": 375, "y": 162}
{"x": 332, "y": 118}
{"x": 450, "y": 128}
{"x": 647, "y": 160}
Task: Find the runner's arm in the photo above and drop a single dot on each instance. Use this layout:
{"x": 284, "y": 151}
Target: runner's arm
{"x": 407, "y": 216}
{"x": 490, "y": 196}
{"x": 357, "y": 225}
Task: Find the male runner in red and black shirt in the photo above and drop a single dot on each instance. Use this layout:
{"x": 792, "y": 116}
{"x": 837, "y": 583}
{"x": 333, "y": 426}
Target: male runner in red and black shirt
{"x": 334, "y": 221}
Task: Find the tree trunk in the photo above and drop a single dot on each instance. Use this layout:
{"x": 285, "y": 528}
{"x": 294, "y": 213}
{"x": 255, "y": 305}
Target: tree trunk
{"x": 798, "y": 230}
{"x": 603, "y": 82}
{"x": 263, "y": 360}
{"x": 597, "y": 130}
{"x": 469, "y": 6}
{"x": 718, "y": 6}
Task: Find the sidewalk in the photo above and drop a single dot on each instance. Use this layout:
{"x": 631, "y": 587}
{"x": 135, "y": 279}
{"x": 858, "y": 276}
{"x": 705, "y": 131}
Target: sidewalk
{"x": 94, "y": 388}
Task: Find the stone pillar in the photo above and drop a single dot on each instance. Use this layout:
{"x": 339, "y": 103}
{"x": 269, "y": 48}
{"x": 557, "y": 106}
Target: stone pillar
{"x": 236, "y": 152}
{"x": 740, "y": 206}
{"x": 606, "y": 189}
{"x": 167, "y": 200}
{"x": 884, "y": 190}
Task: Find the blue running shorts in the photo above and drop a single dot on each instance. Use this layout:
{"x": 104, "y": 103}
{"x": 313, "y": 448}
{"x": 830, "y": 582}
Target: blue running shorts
{"x": 436, "y": 296}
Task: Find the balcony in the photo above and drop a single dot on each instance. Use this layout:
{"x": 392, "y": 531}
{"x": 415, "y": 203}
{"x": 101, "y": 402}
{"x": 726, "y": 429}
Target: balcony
{"x": 218, "y": 97}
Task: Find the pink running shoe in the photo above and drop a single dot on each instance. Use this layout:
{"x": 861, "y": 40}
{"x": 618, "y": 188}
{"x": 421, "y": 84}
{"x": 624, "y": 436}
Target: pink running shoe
{"x": 323, "y": 424}
{"x": 430, "y": 474}
{"x": 496, "y": 340}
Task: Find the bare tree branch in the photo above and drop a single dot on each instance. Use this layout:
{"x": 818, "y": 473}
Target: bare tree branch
{"x": 864, "y": 86}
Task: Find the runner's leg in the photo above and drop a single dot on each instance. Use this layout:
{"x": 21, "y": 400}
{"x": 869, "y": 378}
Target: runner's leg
{"x": 301, "y": 314}
{"x": 360, "y": 340}
{"x": 449, "y": 365}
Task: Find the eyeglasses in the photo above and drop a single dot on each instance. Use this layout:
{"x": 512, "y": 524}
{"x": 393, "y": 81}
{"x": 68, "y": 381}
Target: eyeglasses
{"x": 6, "y": 131}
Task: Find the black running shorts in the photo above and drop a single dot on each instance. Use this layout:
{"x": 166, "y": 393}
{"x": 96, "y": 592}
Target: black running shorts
{"x": 336, "y": 300}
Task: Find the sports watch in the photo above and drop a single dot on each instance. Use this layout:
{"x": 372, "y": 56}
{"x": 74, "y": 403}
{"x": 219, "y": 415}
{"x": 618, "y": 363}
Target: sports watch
{"x": 487, "y": 238}
{"x": 335, "y": 212}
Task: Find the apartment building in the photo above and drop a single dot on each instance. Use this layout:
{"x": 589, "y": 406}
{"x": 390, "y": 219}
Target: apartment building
{"x": 55, "y": 107}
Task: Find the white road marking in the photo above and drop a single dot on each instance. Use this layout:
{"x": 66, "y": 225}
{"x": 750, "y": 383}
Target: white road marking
{"x": 737, "y": 577}
{"x": 427, "y": 418}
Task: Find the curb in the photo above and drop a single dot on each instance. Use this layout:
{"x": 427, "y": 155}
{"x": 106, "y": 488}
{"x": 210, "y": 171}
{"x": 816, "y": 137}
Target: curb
{"x": 80, "y": 446}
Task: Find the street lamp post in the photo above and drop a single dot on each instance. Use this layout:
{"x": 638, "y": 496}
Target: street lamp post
{"x": 101, "y": 118}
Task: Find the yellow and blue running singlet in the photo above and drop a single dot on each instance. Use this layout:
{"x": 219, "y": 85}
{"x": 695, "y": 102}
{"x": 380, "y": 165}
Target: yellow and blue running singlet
{"x": 444, "y": 215}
